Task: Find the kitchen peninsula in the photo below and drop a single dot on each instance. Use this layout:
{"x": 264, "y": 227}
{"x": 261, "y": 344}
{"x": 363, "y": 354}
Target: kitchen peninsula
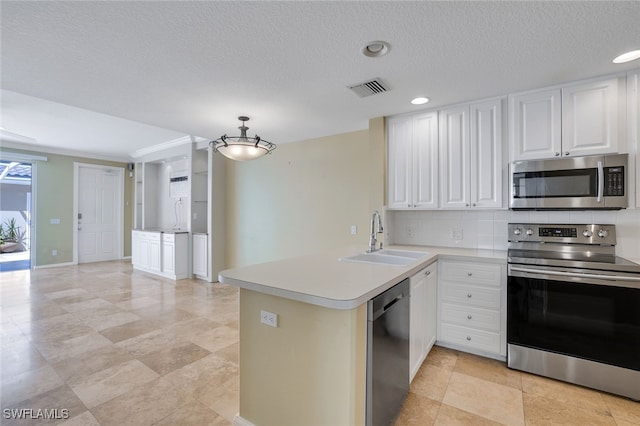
{"x": 311, "y": 367}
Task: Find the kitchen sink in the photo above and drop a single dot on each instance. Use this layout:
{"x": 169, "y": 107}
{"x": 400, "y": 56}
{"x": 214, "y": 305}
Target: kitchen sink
{"x": 387, "y": 257}
{"x": 405, "y": 253}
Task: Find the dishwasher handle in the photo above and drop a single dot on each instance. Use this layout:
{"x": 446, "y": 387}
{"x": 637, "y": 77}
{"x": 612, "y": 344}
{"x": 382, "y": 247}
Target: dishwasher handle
{"x": 377, "y": 314}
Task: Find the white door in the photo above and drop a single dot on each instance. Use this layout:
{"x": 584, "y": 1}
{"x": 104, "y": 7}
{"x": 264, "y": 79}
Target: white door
{"x": 99, "y": 201}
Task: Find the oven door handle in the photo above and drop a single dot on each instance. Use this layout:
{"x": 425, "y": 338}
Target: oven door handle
{"x": 600, "y": 182}
{"x": 575, "y": 274}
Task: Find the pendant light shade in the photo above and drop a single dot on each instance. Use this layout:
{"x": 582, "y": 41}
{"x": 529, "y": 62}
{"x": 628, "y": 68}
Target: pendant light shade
{"x": 242, "y": 148}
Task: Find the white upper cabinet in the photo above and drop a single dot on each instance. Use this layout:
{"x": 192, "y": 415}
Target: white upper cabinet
{"x": 633, "y": 125}
{"x": 399, "y": 154}
{"x": 412, "y": 166}
{"x": 535, "y": 130}
{"x": 486, "y": 154}
{"x": 471, "y": 155}
{"x": 590, "y": 118}
{"x": 575, "y": 120}
{"x": 454, "y": 157}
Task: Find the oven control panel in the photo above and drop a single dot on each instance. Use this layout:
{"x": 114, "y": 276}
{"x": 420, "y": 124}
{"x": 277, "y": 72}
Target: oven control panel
{"x": 565, "y": 233}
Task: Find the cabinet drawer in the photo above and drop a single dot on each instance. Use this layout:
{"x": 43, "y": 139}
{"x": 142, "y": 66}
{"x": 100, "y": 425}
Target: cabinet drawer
{"x": 471, "y": 338}
{"x": 472, "y": 273}
{"x": 151, "y": 236}
{"x": 470, "y": 295}
{"x": 170, "y": 238}
{"x": 471, "y": 317}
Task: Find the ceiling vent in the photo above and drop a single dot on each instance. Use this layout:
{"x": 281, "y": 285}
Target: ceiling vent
{"x": 368, "y": 88}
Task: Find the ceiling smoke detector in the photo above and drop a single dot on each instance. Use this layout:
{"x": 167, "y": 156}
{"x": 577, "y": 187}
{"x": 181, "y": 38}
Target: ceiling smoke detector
{"x": 369, "y": 88}
{"x": 376, "y": 49}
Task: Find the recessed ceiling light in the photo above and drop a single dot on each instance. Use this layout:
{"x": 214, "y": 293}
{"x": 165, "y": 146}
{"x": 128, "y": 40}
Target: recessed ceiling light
{"x": 627, "y": 57}
{"x": 376, "y": 49}
{"x": 420, "y": 101}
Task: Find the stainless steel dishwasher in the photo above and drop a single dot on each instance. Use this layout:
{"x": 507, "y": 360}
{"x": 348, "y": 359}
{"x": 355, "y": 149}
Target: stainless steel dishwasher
{"x": 387, "y": 354}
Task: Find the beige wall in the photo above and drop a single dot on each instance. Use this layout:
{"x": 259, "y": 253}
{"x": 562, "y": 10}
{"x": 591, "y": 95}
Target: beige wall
{"x": 310, "y": 370}
{"x": 54, "y": 199}
{"x": 305, "y": 196}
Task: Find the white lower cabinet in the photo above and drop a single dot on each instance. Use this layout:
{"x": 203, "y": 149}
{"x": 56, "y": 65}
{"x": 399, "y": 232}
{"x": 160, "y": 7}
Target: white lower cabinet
{"x": 200, "y": 255}
{"x": 471, "y": 307}
{"x": 160, "y": 254}
{"x": 423, "y": 317}
{"x": 145, "y": 251}
{"x": 175, "y": 255}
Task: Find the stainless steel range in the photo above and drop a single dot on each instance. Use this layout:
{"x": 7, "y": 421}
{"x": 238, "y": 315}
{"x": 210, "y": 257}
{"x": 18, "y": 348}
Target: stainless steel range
{"x": 573, "y": 307}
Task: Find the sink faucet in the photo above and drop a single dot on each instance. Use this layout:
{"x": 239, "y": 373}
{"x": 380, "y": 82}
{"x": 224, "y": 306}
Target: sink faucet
{"x": 372, "y": 238}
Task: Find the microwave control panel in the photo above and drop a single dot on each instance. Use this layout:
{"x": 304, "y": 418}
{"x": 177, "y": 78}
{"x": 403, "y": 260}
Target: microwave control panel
{"x": 614, "y": 181}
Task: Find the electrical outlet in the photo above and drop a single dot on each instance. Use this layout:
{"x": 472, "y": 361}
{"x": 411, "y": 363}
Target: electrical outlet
{"x": 354, "y": 230}
{"x": 410, "y": 231}
{"x": 269, "y": 318}
{"x": 456, "y": 234}
{"x": 54, "y": 252}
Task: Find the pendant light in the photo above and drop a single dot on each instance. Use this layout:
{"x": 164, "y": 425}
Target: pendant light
{"x": 242, "y": 148}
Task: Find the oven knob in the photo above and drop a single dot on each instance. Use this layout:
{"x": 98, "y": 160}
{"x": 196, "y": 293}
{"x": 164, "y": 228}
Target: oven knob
{"x": 517, "y": 231}
{"x": 587, "y": 233}
{"x": 603, "y": 233}
{"x": 529, "y": 231}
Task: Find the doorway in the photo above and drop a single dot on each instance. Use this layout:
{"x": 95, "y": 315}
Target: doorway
{"x": 16, "y": 215}
{"x": 98, "y": 213}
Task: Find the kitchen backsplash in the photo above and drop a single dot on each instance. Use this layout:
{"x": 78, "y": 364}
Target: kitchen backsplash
{"x": 487, "y": 229}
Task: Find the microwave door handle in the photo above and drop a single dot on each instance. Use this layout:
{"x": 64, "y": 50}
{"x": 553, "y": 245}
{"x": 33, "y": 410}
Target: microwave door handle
{"x": 600, "y": 182}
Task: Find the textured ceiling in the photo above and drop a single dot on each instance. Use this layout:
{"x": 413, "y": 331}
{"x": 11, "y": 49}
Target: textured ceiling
{"x": 193, "y": 67}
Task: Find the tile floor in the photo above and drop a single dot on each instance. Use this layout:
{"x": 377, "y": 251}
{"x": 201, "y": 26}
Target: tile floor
{"x": 116, "y": 347}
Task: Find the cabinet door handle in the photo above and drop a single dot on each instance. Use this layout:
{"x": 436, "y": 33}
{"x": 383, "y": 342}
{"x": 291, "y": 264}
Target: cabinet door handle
{"x": 469, "y": 317}
{"x": 557, "y": 154}
{"x": 469, "y": 295}
{"x": 467, "y": 205}
{"x": 469, "y": 338}
{"x": 408, "y": 205}
{"x": 415, "y": 205}
{"x": 474, "y": 204}
{"x": 469, "y": 274}
{"x": 427, "y": 273}
{"x": 566, "y": 153}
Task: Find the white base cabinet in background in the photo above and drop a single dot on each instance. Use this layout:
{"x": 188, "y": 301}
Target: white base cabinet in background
{"x": 423, "y": 316}
{"x": 471, "y": 307}
{"x": 175, "y": 255}
{"x": 200, "y": 255}
{"x": 160, "y": 254}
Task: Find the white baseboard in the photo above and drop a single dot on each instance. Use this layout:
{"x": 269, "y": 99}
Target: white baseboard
{"x": 55, "y": 265}
{"x": 126, "y": 257}
{"x": 239, "y": 421}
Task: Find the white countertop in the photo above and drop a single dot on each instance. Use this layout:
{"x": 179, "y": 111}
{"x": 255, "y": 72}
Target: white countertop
{"x": 324, "y": 280}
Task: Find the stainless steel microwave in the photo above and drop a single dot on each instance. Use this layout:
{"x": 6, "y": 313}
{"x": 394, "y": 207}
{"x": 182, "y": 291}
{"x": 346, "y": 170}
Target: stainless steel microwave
{"x": 581, "y": 183}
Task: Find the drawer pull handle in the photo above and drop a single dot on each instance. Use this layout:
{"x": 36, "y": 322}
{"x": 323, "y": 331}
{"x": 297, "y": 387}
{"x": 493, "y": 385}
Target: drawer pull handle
{"x": 427, "y": 273}
{"x": 469, "y": 295}
{"x": 469, "y": 274}
{"x": 469, "y": 317}
{"x": 469, "y": 338}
